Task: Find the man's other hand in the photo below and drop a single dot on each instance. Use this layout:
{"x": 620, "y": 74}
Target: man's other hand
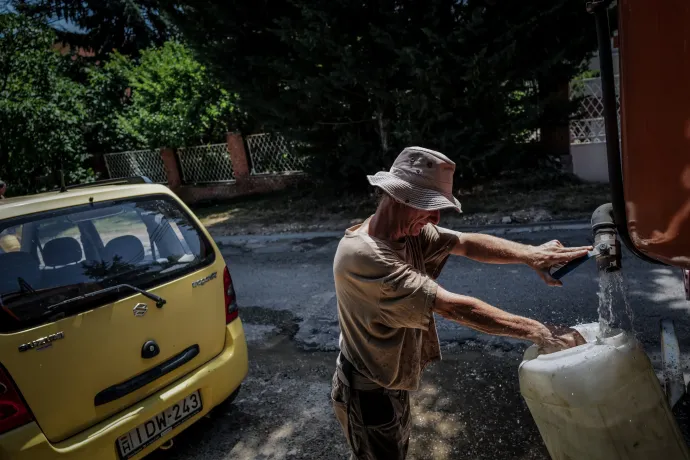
{"x": 559, "y": 338}
{"x": 545, "y": 256}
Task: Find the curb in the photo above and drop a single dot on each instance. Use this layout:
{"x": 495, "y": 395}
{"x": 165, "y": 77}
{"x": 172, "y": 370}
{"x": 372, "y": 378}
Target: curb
{"x": 486, "y": 229}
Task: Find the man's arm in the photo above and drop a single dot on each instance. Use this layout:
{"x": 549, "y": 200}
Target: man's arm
{"x": 481, "y": 316}
{"x": 490, "y": 249}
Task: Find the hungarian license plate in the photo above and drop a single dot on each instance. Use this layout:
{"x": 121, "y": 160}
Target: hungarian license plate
{"x": 148, "y": 432}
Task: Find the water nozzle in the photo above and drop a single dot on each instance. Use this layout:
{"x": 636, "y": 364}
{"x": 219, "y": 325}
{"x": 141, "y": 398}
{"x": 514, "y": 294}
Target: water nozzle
{"x": 607, "y": 250}
{"x": 606, "y": 242}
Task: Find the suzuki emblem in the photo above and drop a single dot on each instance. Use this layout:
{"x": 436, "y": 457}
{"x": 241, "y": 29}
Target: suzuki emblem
{"x": 140, "y": 309}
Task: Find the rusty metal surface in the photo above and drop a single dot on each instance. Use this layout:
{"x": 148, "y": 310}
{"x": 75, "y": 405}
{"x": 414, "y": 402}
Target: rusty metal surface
{"x": 655, "y": 123}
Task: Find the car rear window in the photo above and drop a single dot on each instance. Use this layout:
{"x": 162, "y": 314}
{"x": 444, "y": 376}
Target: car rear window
{"x": 50, "y": 257}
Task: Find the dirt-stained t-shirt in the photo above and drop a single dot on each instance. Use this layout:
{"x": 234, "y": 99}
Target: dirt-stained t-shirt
{"x": 385, "y": 294}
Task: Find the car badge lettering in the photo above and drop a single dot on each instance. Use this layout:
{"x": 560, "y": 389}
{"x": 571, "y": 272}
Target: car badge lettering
{"x": 203, "y": 281}
{"x": 42, "y": 343}
{"x": 140, "y": 309}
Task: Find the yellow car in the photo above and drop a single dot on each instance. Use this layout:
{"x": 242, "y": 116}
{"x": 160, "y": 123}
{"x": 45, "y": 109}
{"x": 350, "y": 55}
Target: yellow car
{"x": 118, "y": 322}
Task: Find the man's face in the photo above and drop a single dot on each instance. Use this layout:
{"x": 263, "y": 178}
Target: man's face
{"x": 417, "y": 219}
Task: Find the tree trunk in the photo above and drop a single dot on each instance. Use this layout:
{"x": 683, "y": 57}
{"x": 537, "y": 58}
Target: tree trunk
{"x": 554, "y": 128}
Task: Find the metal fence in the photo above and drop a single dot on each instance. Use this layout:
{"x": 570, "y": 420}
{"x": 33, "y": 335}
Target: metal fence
{"x": 588, "y": 125}
{"x": 136, "y": 163}
{"x": 271, "y": 153}
{"x": 206, "y": 163}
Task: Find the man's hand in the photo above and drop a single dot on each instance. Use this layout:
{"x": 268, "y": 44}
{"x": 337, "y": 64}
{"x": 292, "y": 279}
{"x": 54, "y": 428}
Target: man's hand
{"x": 545, "y": 256}
{"x": 557, "y": 338}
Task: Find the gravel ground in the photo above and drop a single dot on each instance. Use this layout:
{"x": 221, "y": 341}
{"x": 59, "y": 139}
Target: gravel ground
{"x": 468, "y": 408}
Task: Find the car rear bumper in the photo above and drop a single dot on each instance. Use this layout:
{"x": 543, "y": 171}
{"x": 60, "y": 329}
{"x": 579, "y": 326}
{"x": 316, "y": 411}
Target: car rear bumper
{"x": 217, "y": 379}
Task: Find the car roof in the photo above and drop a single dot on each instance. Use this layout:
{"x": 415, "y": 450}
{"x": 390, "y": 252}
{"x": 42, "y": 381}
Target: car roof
{"x": 29, "y": 204}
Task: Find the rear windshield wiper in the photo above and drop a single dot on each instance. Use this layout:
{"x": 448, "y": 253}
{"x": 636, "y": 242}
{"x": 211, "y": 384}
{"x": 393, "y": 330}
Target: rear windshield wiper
{"x": 160, "y": 301}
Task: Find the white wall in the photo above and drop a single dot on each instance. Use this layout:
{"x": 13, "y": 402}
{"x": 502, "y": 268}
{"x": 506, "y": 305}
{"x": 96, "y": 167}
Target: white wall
{"x": 589, "y": 161}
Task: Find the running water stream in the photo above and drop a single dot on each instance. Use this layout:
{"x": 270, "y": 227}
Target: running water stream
{"x": 614, "y": 309}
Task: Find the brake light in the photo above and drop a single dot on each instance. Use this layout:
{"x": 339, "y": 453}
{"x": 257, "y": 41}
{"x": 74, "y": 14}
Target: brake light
{"x": 13, "y": 410}
{"x": 231, "y": 311}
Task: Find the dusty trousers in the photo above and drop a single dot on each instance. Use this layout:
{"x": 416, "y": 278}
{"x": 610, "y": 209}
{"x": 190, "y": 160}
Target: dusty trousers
{"x": 376, "y": 423}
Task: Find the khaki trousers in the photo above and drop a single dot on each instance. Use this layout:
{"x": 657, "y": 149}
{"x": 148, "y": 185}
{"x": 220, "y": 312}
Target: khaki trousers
{"x": 376, "y": 423}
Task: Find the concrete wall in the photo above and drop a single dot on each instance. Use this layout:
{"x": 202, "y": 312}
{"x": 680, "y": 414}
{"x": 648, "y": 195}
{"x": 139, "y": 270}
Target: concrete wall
{"x": 589, "y": 162}
{"x": 194, "y": 194}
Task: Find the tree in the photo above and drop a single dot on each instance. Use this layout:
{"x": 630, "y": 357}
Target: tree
{"x": 357, "y": 81}
{"x": 175, "y": 102}
{"x": 107, "y": 95}
{"x": 125, "y": 26}
{"x": 165, "y": 98}
{"x": 41, "y": 109}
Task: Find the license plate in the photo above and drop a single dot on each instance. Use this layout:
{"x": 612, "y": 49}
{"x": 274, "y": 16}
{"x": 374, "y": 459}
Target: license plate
{"x": 148, "y": 432}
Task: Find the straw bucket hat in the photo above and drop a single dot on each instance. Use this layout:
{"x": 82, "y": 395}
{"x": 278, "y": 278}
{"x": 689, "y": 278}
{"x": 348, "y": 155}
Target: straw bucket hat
{"x": 419, "y": 178}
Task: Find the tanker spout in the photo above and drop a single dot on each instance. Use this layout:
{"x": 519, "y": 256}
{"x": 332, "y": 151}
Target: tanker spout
{"x": 607, "y": 249}
{"x": 606, "y": 245}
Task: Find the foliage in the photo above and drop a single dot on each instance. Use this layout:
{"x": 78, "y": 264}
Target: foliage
{"x": 174, "y": 101}
{"x": 107, "y": 97}
{"x": 125, "y": 26}
{"x": 164, "y": 99}
{"x": 358, "y": 81}
{"x": 41, "y": 109}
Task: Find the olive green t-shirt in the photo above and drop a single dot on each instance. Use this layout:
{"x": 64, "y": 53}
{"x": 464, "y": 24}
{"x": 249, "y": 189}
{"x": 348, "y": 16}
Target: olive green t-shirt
{"x": 385, "y": 294}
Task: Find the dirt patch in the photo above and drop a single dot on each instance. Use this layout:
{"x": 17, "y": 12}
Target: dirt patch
{"x": 307, "y": 210}
{"x": 284, "y": 321}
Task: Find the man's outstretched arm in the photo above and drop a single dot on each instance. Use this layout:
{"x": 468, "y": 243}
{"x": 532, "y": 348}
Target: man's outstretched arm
{"x": 481, "y": 316}
{"x": 490, "y": 249}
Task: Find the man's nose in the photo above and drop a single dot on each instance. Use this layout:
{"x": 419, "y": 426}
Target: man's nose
{"x": 435, "y": 217}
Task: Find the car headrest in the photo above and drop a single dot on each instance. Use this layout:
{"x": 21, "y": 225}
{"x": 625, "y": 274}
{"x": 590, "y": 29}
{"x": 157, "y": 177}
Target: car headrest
{"x": 127, "y": 248}
{"x": 62, "y": 251}
{"x": 14, "y": 265}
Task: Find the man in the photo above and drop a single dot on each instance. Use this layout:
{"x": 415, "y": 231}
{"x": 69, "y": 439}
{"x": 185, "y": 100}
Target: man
{"x": 385, "y": 271}
{"x": 3, "y": 189}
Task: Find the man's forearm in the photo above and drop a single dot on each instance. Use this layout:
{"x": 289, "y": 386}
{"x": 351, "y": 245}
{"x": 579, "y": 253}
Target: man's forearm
{"x": 490, "y": 249}
{"x": 481, "y": 316}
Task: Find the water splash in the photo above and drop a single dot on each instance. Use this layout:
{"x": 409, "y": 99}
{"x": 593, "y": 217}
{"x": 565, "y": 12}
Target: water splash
{"x": 615, "y": 311}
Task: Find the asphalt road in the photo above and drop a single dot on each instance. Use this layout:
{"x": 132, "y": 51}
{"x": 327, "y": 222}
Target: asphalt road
{"x": 469, "y": 406}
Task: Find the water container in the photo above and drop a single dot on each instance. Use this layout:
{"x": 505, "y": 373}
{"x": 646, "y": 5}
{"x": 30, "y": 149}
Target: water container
{"x": 600, "y": 401}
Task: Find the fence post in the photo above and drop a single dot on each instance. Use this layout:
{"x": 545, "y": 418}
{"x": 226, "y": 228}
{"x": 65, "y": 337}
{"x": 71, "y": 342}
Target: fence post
{"x": 99, "y": 165}
{"x": 172, "y": 170}
{"x": 238, "y": 156}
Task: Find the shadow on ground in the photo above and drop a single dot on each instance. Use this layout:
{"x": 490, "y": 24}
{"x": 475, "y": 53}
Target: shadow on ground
{"x": 468, "y": 408}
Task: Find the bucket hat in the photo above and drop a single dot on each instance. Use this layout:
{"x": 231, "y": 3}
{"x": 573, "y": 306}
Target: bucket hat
{"x": 419, "y": 178}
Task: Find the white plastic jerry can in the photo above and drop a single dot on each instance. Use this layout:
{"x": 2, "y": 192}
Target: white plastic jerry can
{"x": 600, "y": 401}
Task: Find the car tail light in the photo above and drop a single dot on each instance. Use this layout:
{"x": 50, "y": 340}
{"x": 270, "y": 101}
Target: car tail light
{"x": 231, "y": 311}
{"x": 13, "y": 411}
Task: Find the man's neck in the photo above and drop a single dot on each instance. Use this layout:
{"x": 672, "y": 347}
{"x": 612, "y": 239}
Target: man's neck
{"x": 384, "y": 226}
